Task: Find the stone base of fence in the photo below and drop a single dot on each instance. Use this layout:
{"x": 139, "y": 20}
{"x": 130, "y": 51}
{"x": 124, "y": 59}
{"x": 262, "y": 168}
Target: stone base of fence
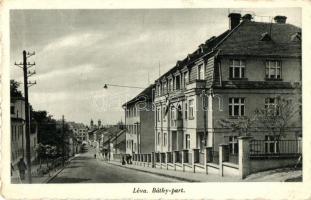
{"x": 209, "y": 161}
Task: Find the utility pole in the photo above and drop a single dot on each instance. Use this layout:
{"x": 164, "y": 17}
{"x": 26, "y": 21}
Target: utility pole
{"x": 63, "y": 139}
{"x": 25, "y": 65}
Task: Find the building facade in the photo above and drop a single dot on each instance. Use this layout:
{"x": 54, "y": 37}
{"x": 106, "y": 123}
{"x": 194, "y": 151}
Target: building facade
{"x": 250, "y": 66}
{"x": 139, "y": 121}
{"x": 79, "y": 130}
{"x": 18, "y": 134}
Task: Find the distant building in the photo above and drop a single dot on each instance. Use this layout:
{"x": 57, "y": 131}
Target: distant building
{"x": 139, "y": 121}
{"x": 112, "y": 141}
{"x": 79, "y": 130}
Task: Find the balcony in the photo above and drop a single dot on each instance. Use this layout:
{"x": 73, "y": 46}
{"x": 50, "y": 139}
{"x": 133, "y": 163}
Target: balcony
{"x": 177, "y": 124}
{"x": 196, "y": 84}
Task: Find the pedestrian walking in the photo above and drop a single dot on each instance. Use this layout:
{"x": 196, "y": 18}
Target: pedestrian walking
{"x": 95, "y": 155}
{"x": 22, "y": 168}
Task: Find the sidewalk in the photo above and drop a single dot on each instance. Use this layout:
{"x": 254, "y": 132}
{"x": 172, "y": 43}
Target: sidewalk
{"x": 276, "y": 175}
{"x": 15, "y": 179}
{"x": 182, "y": 176}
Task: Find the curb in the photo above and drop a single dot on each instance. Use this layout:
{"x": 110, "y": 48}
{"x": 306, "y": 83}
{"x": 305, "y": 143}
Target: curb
{"x": 156, "y": 173}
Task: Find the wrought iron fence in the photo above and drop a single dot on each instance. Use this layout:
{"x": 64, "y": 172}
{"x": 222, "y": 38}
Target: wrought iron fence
{"x": 178, "y": 156}
{"x": 163, "y": 158}
{"x": 234, "y": 158}
{"x": 157, "y": 157}
{"x": 189, "y": 159}
{"x": 215, "y": 157}
{"x": 263, "y": 148}
{"x": 170, "y": 157}
{"x": 201, "y": 158}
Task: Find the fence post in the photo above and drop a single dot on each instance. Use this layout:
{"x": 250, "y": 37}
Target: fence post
{"x": 208, "y": 157}
{"x": 152, "y": 160}
{"x": 244, "y": 161}
{"x": 299, "y": 149}
{"x": 223, "y": 155}
{"x": 194, "y": 151}
{"x": 182, "y": 160}
{"x": 166, "y": 159}
{"x": 174, "y": 159}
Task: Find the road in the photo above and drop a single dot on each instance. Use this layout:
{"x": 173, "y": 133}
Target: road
{"x": 86, "y": 169}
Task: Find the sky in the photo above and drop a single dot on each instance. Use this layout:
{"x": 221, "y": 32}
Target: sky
{"x": 78, "y": 51}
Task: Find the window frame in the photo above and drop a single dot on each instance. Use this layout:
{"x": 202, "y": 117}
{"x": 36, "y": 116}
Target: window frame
{"x": 201, "y": 66}
{"x": 233, "y": 145}
{"x": 277, "y": 68}
{"x": 185, "y": 78}
{"x": 241, "y": 69}
{"x": 191, "y": 109}
{"x": 164, "y": 139}
{"x": 159, "y": 138}
{"x": 187, "y": 141}
{"x": 240, "y": 105}
{"x": 272, "y": 105}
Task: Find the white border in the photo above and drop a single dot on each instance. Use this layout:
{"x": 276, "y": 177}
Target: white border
{"x": 120, "y": 191}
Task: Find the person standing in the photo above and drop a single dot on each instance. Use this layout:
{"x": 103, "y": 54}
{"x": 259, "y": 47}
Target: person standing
{"x": 22, "y": 168}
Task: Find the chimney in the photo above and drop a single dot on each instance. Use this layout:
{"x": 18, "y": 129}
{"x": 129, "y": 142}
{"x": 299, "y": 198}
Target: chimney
{"x": 280, "y": 19}
{"x": 247, "y": 17}
{"x": 234, "y": 20}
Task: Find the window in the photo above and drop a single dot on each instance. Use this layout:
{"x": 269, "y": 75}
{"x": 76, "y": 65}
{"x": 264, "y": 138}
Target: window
{"x": 271, "y": 105}
{"x": 187, "y": 141}
{"x": 159, "y": 90}
{"x": 12, "y": 110}
{"x": 273, "y": 69}
{"x": 158, "y": 114}
{"x": 164, "y": 139}
{"x": 236, "y": 106}
{"x": 163, "y": 113}
{"x": 271, "y": 145}
{"x": 186, "y": 79}
{"x": 163, "y": 87}
{"x": 201, "y": 72}
{"x": 237, "y": 69}
{"x": 191, "y": 109}
{"x": 159, "y": 138}
{"x": 186, "y": 110}
{"x": 233, "y": 145}
{"x": 134, "y": 128}
{"x": 171, "y": 85}
{"x": 177, "y": 79}
{"x": 173, "y": 116}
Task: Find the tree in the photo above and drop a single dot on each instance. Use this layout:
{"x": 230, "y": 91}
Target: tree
{"x": 242, "y": 124}
{"x": 14, "y": 89}
{"x": 276, "y": 119}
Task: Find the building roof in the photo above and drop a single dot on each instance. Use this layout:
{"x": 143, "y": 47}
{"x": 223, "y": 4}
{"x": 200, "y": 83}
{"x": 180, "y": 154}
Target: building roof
{"x": 146, "y": 94}
{"x": 246, "y": 39}
{"x": 113, "y": 133}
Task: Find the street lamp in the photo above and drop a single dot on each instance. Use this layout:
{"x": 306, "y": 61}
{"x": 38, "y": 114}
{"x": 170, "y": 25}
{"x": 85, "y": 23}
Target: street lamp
{"x": 125, "y": 86}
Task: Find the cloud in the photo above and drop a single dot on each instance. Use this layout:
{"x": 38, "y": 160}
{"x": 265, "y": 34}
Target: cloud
{"x": 73, "y": 41}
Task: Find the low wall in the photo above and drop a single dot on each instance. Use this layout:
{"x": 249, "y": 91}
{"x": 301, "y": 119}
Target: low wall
{"x": 230, "y": 169}
{"x": 212, "y": 168}
{"x": 257, "y": 165}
